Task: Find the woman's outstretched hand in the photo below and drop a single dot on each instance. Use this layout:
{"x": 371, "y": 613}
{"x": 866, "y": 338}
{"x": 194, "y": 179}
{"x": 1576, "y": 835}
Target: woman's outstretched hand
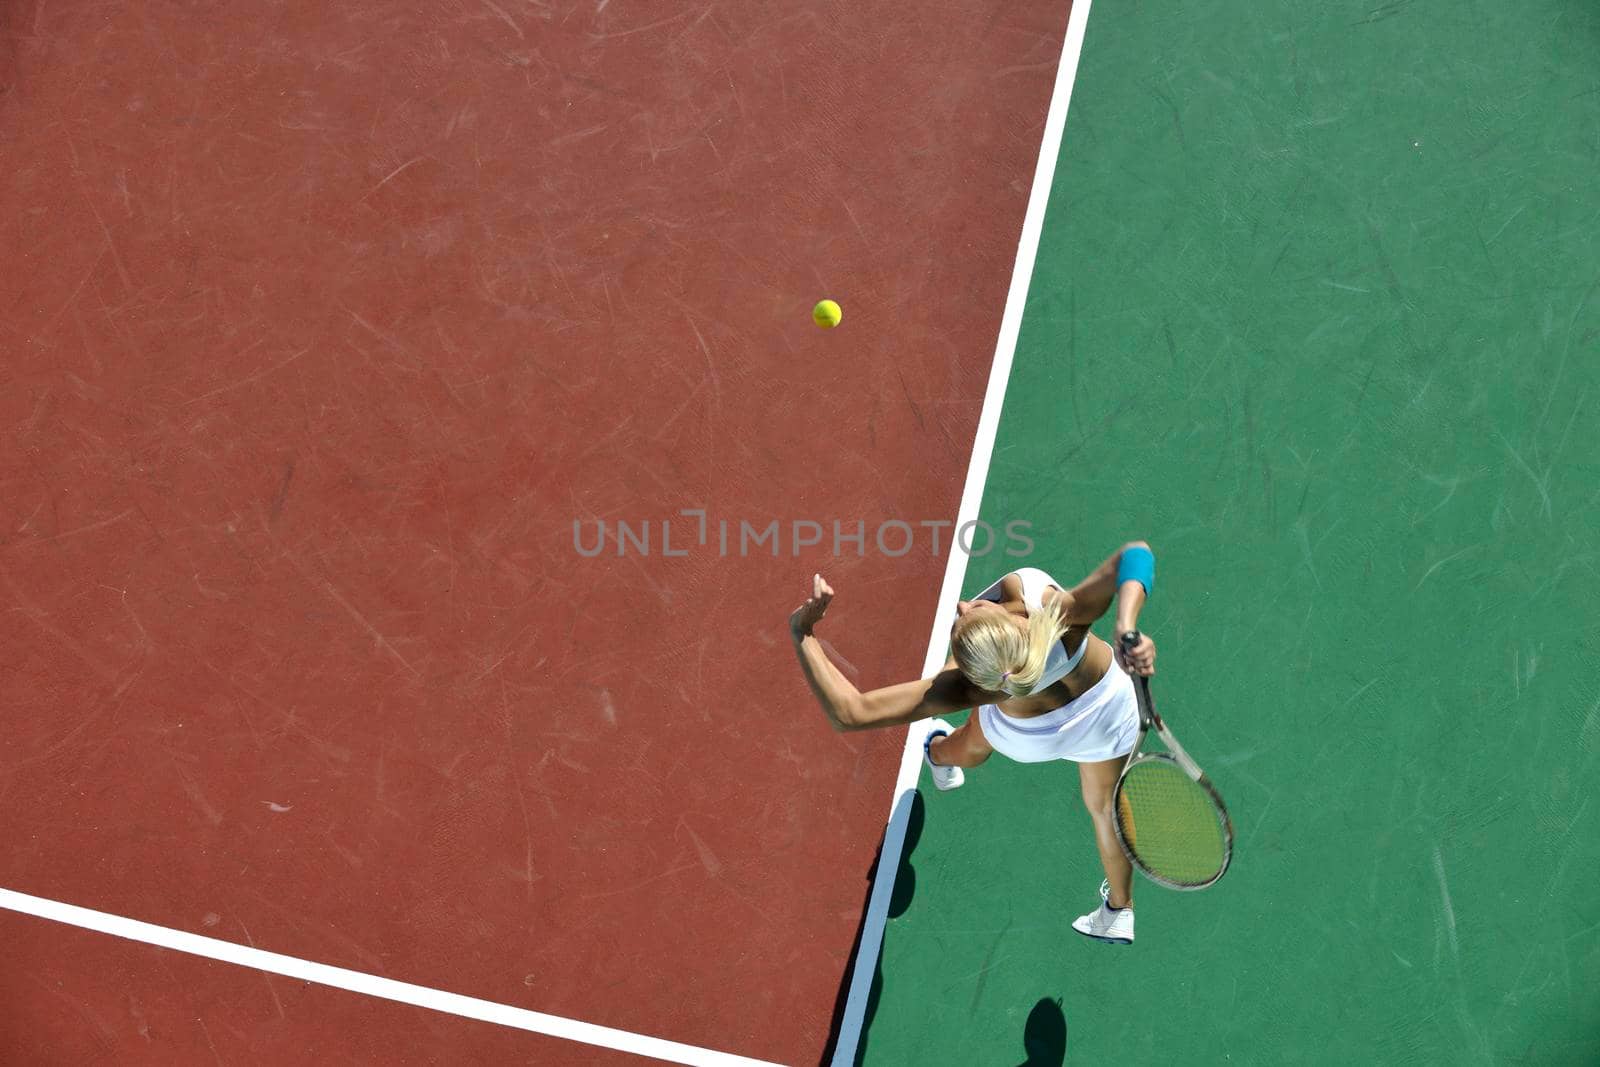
{"x": 810, "y": 613}
{"x": 1140, "y": 659}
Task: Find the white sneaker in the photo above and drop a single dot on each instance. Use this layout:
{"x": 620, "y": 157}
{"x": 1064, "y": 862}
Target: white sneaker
{"x": 1113, "y": 926}
{"x": 944, "y": 778}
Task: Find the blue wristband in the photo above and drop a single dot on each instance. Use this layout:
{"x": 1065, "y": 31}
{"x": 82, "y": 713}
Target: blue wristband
{"x": 1138, "y": 565}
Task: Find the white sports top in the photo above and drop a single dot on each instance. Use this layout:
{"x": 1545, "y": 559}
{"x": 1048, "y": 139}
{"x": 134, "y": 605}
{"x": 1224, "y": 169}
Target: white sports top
{"x": 1100, "y": 724}
{"x": 1034, "y": 583}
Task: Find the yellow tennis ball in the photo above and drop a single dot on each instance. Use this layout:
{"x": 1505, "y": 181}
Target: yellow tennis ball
{"x": 826, "y": 314}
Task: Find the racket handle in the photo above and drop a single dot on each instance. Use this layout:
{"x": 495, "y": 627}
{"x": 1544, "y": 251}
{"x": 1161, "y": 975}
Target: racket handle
{"x": 1141, "y": 687}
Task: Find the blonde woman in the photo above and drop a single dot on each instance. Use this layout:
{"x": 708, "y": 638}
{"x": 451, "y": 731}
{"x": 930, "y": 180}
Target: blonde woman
{"x": 1044, "y": 687}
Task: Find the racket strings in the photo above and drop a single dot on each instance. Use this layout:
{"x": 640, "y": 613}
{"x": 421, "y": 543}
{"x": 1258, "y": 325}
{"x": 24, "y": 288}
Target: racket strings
{"x": 1170, "y": 824}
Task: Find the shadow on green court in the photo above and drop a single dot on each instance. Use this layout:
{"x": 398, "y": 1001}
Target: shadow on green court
{"x": 905, "y": 887}
{"x": 1044, "y": 1037}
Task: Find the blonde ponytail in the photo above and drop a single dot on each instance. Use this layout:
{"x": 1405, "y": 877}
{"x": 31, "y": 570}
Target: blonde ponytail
{"x": 998, "y": 657}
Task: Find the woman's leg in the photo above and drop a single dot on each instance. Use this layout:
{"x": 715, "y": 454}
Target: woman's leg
{"x": 1099, "y": 780}
{"x": 965, "y": 747}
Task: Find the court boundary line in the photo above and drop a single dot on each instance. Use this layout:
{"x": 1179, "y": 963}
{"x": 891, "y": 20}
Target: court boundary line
{"x": 894, "y": 835}
{"x": 372, "y": 985}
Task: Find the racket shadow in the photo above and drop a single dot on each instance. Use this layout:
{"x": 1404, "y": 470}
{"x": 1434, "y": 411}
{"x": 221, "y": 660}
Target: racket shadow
{"x": 1044, "y": 1036}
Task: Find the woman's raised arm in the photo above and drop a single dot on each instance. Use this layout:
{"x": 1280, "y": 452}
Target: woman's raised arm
{"x": 847, "y": 707}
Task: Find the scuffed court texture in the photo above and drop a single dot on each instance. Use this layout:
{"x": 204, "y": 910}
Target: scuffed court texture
{"x": 1316, "y": 313}
{"x": 324, "y": 325}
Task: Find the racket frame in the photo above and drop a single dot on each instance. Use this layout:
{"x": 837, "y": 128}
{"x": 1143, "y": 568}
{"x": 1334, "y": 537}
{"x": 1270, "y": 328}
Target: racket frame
{"x": 1148, "y": 717}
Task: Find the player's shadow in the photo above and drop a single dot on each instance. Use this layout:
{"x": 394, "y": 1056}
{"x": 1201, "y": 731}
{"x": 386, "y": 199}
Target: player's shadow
{"x": 1044, "y": 1036}
{"x": 905, "y": 886}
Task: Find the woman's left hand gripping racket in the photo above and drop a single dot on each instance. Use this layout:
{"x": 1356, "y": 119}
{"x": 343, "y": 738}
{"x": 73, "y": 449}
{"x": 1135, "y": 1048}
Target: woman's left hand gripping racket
{"x": 1168, "y": 816}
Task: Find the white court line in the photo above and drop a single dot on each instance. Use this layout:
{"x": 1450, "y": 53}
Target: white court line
{"x": 894, "y": 835}
{"x": 906, "y": 782}
{"x": 385, "y": 988}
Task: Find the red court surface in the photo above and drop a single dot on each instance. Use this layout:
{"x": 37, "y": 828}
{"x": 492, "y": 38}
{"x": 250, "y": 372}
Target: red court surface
{"x": 85, "y": 998}
{"x": 323, "y": 325}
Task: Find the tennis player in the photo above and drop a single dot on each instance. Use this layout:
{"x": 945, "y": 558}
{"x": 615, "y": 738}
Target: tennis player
{"x": 1044, "y": 687}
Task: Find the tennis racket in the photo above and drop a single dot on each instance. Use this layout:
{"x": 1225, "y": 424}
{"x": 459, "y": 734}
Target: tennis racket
{"x": 1168, "y": 816}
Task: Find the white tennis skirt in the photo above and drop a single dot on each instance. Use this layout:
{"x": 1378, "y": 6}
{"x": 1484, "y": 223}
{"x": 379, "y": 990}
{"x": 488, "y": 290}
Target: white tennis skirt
{"x": 1101, "y": 724}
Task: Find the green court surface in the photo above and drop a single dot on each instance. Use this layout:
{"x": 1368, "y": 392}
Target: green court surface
{"x": 1316, "y": 312}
